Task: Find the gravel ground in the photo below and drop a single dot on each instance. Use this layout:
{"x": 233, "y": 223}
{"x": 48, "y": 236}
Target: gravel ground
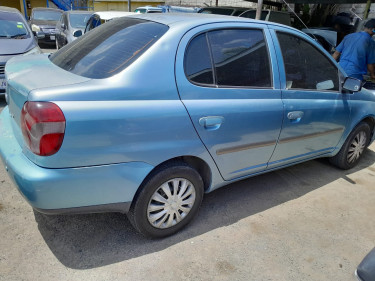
{"x": 307, "y": 222}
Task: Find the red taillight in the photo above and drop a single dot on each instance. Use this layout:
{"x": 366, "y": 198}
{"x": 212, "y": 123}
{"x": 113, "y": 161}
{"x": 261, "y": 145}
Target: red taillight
{"x": 43, "y": 127}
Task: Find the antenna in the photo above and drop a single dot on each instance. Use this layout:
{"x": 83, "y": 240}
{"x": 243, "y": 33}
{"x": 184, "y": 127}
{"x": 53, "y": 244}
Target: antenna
{"x": 299, "y": 19}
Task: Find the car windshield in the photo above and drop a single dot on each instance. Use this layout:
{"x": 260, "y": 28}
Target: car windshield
{"x": 110, "y": 49}
{"x": 12, "y": 26}
{"x": 252, "y": 13}
{"x": 46, "y": 15}
{"x": 78, "y": 20}
{"x": 216, "y": 11}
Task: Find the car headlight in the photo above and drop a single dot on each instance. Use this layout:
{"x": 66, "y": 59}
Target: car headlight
{"x": 33, "y": 51}
{"x": 35, "y": 28}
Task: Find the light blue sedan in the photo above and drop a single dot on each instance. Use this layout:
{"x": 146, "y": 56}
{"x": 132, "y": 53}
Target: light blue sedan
{"x": 147, "y": 113}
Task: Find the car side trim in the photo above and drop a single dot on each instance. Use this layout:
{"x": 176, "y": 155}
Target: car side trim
{"x": 313, "y": 135}
{"x": 244, "y": 147}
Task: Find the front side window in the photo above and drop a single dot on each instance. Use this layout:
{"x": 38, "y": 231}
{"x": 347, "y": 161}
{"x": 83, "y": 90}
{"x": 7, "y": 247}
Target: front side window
{"x": 305, "y": 66}
{"x": 240, "y": 58}
{"x": 109, "y": 50}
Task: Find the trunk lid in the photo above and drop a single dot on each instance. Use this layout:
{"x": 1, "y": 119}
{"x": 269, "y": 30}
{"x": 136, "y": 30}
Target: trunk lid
{"x": 27, "y": 73}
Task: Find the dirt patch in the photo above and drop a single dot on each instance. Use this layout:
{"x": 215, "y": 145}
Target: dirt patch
{"x": 1, "y": 207}
{"x": 225, "y": 267}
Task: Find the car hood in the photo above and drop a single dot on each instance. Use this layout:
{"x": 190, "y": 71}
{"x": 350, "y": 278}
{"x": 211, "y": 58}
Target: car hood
{"x": 16, "y": 46}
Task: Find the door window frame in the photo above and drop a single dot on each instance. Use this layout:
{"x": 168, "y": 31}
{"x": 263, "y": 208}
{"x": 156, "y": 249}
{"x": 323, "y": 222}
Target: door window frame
{"x": 280, "y": 58}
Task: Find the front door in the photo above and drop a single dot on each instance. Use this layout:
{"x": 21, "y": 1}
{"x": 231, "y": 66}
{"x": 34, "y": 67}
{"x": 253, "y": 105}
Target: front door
{"x": 316, "y": 112}
{"x": 231, "y": 91}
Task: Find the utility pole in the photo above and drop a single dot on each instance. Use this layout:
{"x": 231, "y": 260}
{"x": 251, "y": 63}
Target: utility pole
{"x": 129, "y": 5}
{"x": 217, "y": 3}
{"x": 259, "y": 9}
{"x": 367, "y": 9}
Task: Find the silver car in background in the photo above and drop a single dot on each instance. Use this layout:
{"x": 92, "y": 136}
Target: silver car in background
{"x": 16, "y": 38}
{"x": 71, "y": 26}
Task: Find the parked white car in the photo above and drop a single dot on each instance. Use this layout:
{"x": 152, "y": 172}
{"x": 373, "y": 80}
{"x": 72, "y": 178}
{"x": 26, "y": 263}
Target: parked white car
{"x": 147, "y": 10}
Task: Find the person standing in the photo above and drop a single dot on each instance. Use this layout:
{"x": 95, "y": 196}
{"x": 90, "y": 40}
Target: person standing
{"x": 356, "y": 53}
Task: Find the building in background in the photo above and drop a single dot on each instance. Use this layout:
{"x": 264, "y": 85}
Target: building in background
{"x": 27, "y": 5}
{"x": 120, "y": 5}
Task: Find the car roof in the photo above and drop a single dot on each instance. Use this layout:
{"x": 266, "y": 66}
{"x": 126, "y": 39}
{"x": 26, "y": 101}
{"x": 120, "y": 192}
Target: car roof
{"x": 227, "y": 7}
{"x": 107, "y": 15}
{"x": 47, "y": 9}
{"x": 195, "y": 19}
{"x": 9, "y": 10}
{"x": 191, "y": 20}
{"x": 78, "y": 12}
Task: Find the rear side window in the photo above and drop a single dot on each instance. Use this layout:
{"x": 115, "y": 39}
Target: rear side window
{"x": 238, "y": 58}
{"x": 305, "y": 66}
{"x": 198, "y": 67}
{"x": 110, "y": 49}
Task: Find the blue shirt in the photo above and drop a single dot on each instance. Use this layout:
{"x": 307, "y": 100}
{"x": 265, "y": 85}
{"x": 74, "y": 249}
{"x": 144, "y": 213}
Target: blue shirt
{"x": 357, "y": 51}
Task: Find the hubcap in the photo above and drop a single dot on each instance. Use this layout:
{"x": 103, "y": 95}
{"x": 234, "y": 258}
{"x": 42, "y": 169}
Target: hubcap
{"x": 170, "y": 203}
{"x": 356, "y": 147}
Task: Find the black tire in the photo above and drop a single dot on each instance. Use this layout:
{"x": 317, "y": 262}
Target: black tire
{"x": 139, "y": 212}
{"x": 346, "y": 159}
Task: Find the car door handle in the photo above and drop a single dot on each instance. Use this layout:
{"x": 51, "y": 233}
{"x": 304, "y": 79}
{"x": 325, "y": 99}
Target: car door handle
{"x": 295, "y": 116}
{"x": 211, "y": 122}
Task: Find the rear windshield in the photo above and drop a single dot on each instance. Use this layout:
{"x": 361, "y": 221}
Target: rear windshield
{"x": 109, "y": 48}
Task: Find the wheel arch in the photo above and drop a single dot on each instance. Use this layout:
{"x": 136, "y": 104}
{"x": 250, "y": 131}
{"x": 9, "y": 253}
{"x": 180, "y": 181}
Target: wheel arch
{"x": 370, "y": 120}
{"x": 197, "y": 163}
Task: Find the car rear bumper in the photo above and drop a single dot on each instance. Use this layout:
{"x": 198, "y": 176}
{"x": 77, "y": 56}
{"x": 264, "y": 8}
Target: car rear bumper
{"x": 69, "y": 190}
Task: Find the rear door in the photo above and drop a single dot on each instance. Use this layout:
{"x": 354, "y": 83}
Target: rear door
{"x": 316, "y": 111}
{"x": 230, "y": 88}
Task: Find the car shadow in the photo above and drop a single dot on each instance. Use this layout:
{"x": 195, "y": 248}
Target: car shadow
{"x": 90, "y": 241}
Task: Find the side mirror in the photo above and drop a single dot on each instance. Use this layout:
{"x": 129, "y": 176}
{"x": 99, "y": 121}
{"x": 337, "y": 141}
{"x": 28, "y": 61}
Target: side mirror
{"x": 40, "y": 35}
{"x": 77, "y": 33}
{"x": 352, "y": 84}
